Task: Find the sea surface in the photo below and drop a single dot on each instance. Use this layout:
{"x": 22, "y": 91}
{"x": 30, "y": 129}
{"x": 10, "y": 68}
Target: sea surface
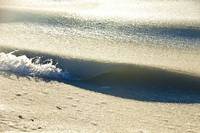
{"x": 109, "y": 43}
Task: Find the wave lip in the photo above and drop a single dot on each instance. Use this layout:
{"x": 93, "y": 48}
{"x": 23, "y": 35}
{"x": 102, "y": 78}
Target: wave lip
{"x": 22, "y": 65}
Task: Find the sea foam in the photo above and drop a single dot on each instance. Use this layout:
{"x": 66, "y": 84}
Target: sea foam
{"x": 34, "y": 67}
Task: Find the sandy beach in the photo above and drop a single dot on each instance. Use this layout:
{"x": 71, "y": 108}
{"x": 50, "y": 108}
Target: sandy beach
{"x": 29, "y": 105}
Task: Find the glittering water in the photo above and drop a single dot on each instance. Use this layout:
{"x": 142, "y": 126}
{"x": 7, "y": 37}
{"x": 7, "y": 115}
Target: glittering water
{"x": 160, "y": 34}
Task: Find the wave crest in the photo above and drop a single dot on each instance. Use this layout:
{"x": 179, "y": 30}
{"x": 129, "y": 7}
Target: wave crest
{"x": 35, "y": 67}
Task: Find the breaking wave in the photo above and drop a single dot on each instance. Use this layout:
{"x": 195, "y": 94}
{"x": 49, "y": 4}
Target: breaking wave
{"x": 90, "y": 72}
{"x": 131, "y": 81}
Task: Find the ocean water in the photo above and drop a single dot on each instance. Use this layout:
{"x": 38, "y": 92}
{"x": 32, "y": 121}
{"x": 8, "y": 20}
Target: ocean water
{"x": 108, "y": 42}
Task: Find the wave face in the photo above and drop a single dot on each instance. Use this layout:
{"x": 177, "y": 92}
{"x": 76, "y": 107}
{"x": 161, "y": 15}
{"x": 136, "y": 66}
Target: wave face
{"x": 22, "y": 65}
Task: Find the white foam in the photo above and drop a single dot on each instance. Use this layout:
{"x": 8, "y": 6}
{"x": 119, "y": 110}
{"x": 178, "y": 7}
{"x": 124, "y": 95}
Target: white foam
{"x": 22, "y": 65}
